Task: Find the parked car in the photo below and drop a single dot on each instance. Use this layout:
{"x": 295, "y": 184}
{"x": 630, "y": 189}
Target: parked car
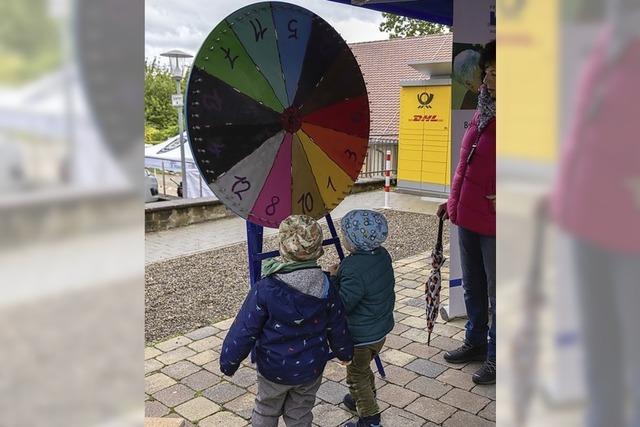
{"x": 150, "y": 187}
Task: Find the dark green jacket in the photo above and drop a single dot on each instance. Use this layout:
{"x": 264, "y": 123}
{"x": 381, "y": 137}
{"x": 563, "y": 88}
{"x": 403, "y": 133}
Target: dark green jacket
{"x": 366, "y": 284}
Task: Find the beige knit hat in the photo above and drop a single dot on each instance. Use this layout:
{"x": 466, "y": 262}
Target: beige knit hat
{"x": 300, "y": 238}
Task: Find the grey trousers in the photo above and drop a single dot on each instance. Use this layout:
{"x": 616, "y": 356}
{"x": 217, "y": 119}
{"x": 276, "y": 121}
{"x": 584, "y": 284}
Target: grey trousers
{"x": 293, "y": 402}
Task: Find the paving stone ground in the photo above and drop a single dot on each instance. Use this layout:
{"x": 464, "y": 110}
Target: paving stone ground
{"x": 182, "y": 378}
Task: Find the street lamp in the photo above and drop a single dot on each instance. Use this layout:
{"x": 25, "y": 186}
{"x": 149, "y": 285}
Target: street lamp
{"x": 178, "y": 103}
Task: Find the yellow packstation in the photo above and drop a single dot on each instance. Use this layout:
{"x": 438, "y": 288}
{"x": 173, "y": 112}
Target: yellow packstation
{"x": 424, "y": 150}
{"x": 528, "y": 84}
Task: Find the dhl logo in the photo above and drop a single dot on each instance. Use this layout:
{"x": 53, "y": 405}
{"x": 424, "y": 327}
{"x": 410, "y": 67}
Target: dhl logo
{"x": 425, "y": 118}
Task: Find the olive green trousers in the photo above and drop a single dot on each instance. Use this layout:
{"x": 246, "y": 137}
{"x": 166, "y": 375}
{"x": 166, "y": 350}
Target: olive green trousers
{"x": 361, "y": 381}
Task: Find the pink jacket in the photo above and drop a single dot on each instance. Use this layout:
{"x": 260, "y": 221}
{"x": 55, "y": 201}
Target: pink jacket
{"x": 597, "y": 192}
{"x": 468, "y": 206}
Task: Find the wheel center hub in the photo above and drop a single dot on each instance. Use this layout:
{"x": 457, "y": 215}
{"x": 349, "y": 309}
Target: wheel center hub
{"x": 291, "y": 119}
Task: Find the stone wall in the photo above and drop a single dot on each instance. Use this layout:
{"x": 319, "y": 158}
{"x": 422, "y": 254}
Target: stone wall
{"x": 53, "y": 214}
{"x": 180, "y": 212}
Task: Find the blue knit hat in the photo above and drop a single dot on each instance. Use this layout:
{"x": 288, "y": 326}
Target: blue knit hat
{"x": 365, "y": 229}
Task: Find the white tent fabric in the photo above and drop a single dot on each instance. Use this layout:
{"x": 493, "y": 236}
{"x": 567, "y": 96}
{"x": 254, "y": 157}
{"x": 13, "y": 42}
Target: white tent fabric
{"x": 168, "y": 152}
{"x": 166, "y": 155}
{"x": 55, "y": 108}
{"x": 196, "y": 187}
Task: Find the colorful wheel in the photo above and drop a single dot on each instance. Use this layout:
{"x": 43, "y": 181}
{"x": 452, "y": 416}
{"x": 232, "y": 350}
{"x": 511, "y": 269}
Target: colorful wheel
{"x": 277, "y": 113}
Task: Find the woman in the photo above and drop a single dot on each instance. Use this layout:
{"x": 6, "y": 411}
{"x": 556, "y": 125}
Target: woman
{"x": 472, "y": 208}
{"x": 601, "y": 161}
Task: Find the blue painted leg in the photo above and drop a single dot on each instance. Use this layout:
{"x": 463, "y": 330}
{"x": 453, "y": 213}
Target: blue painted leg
{"x": 380, "y": 367}
{"x": 334, "y": 237}
{"x": 254, "y": 242}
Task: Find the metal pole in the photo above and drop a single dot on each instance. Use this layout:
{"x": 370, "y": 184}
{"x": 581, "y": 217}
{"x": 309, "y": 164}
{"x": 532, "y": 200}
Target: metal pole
{"x": 71, "y": 156}
{"x": 387, "y": 179}
{"x": 182, "y": 159}
{"x": 164, "y": 182}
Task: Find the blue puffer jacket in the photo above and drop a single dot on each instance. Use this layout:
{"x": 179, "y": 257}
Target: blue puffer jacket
{"x": 293, "y": 332}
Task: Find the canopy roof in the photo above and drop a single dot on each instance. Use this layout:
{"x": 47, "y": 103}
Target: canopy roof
{"x": 438, "y": 11}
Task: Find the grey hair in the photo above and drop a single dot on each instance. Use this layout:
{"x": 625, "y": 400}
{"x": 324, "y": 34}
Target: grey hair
{"x": 465, "y": 64}
{"x": 623, "y": 16}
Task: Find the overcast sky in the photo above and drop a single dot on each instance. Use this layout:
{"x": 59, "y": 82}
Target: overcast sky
{"x": 184, "y": 24}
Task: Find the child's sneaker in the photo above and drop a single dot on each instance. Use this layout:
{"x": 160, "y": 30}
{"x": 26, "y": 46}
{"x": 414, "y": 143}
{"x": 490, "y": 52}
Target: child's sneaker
{"x": 349, "y": 402}
{"x": 372, "y": 421}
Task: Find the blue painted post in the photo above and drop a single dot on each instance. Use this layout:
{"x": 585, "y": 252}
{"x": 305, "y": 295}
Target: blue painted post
{"x": 255, "y": 235}
{"x": 334, "y": 237}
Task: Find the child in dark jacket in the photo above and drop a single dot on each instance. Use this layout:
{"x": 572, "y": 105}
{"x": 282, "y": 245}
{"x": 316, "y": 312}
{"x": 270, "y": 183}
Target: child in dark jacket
{"x": 293, "y": 318}
{"x": 366, "y": 285}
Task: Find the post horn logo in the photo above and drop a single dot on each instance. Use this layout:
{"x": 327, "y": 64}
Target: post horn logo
{"x": 511, "y": 8}
{"x": 425, "y": 99}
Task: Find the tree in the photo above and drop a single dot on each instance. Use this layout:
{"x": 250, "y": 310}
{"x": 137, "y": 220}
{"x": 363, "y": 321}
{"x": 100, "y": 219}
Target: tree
{"x": 401, "y": 26}
{"x": 160, "y": 117}
{"x": 29, "y": 41}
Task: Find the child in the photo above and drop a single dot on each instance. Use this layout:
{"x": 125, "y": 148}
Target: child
{"x": 366, "y": 286}
{"x": 292, "y": 317}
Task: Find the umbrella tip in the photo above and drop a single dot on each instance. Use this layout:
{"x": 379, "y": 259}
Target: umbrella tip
{"x": 429, "y": 339}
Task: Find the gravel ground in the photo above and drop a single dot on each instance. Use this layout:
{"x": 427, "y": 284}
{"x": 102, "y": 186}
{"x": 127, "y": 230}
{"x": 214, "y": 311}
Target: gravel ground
{"x": 186, "y": 293}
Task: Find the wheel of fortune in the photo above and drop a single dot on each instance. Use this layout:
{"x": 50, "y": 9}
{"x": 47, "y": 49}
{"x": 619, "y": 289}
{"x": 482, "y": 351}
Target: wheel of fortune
{"x": 277, "y": 113}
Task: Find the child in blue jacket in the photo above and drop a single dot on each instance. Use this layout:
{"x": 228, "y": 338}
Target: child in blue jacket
{"x": 366, "y": 286}
{"x": 294, "y": 318}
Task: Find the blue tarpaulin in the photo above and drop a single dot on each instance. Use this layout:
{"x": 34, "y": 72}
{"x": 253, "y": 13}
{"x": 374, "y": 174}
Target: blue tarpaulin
{"x": 438, "y": 11}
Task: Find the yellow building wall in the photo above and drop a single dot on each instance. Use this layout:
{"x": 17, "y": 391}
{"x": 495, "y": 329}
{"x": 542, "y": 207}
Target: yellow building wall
{"x": 424, "y": 150}
{"x": 527, "y": 85}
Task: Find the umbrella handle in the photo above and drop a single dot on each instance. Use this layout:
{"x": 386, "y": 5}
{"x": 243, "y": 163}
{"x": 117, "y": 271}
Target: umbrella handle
{"x": 440, "y": 227}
